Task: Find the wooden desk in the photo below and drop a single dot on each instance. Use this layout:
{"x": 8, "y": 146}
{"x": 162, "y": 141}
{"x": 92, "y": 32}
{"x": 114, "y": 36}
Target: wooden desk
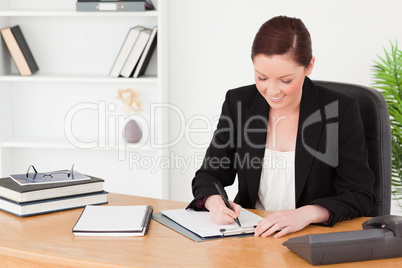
{"x": 47, "y": 241}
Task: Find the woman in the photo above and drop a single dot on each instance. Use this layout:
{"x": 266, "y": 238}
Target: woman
{"x": 297, "y": 148}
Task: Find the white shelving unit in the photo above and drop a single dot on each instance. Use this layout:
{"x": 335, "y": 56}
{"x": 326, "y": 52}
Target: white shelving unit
{"x": 73, "y": 13}
{"x": 68, "y": 112}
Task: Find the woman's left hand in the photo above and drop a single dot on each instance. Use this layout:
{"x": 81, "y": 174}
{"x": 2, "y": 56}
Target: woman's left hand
{"x": 290, "y": 221}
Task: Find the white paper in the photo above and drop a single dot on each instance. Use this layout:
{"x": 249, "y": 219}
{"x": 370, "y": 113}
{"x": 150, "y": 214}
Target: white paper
{"x": 107, "y": 6}
{"x": 200, "y": 223}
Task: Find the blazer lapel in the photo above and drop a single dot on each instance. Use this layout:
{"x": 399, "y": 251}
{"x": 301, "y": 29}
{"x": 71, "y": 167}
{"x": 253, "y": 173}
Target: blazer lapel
{"x": 255, "y": 127}
{"x": 309, "y": 132}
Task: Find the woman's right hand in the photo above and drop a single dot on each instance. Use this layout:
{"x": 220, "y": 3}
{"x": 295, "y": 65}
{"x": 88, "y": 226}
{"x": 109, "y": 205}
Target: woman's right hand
{"x": 219, "y": 212}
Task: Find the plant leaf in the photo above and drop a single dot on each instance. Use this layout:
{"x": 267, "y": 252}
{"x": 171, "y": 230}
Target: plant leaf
{"x": 387, "y": 72}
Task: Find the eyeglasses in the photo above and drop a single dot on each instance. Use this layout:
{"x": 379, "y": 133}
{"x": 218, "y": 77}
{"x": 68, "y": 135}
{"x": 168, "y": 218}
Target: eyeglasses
{"x": 54, "y": 175}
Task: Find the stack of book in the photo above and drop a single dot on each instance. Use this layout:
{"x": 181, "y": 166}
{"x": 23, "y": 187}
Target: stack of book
{"x": 26, "y": 199}
{"x": 114, "y": 5}
{"x": 19, "y": 50}
{"x": 135, "y": 53}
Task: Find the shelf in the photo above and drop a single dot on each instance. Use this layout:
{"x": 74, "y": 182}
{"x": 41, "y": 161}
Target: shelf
{"x": 73, "y": 13}
{"x": 62, "y": 143}
{"x": 36, "y": 142}
{"x": 76, "y": 51}
{"x": 77, "y": 78}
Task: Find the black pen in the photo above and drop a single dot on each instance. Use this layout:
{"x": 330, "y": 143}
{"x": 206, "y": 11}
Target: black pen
{"x": 225, "y": 198}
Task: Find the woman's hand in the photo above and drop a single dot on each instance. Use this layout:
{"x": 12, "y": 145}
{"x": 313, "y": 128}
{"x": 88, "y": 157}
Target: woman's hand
{"x": 219, "y": 212}
{"x": 290, "y": 221}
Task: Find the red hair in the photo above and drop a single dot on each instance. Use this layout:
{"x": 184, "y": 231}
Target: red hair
{"x": 283, "y": 35}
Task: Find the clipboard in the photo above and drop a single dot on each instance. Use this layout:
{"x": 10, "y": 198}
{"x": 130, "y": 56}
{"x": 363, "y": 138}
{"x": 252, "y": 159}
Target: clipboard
{"x": 222, "y": 232}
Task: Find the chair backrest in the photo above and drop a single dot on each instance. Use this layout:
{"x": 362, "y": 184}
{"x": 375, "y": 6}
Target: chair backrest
{"x": 375, "y": 116}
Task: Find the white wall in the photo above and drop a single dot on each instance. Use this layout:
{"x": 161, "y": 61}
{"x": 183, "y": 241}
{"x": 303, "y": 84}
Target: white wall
{"x": 209, "y": 53}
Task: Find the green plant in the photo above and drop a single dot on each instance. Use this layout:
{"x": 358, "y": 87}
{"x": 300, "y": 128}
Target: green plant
{"x": 388, "y": 80}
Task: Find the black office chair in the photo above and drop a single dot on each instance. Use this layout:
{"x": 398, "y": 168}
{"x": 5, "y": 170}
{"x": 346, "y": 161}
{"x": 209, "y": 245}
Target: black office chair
{"x": 375, "y": 116}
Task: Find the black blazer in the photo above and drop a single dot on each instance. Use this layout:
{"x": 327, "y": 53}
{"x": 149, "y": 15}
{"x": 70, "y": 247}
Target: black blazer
{"x": 331, "y": 166}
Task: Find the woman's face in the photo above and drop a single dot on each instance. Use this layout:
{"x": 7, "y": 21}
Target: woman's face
{"x": 280, "y": 80}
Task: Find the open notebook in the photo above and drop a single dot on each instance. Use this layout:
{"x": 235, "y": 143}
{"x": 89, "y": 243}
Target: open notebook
{"x": 199, "y": 222}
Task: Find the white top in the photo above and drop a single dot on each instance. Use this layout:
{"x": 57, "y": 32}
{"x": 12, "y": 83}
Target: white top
{"x": 277, "y": 184}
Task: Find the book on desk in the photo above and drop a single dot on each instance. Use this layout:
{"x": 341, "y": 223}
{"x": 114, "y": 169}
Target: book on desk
{"x": 36, "y": 178}
{"x": 13, "y": 191}
{"x": 32, "y": 199}
{"x": 114, "y": 221}
{"x": 52, "y": 204}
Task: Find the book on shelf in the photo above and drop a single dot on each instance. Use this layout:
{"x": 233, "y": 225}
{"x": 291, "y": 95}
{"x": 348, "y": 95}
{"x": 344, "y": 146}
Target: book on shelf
{"x": 148, "y": 3}
{"x": 15, "y": 192}
{"x": 52, "y": 204}
{"x": 113, "y": 221}
{"x": 135, "y": 53}
{"x": 146, "y": 54}
{"x": 125, "y": 50}
{"x": 111, "y": 5}
{"x": 19, "y": 50}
